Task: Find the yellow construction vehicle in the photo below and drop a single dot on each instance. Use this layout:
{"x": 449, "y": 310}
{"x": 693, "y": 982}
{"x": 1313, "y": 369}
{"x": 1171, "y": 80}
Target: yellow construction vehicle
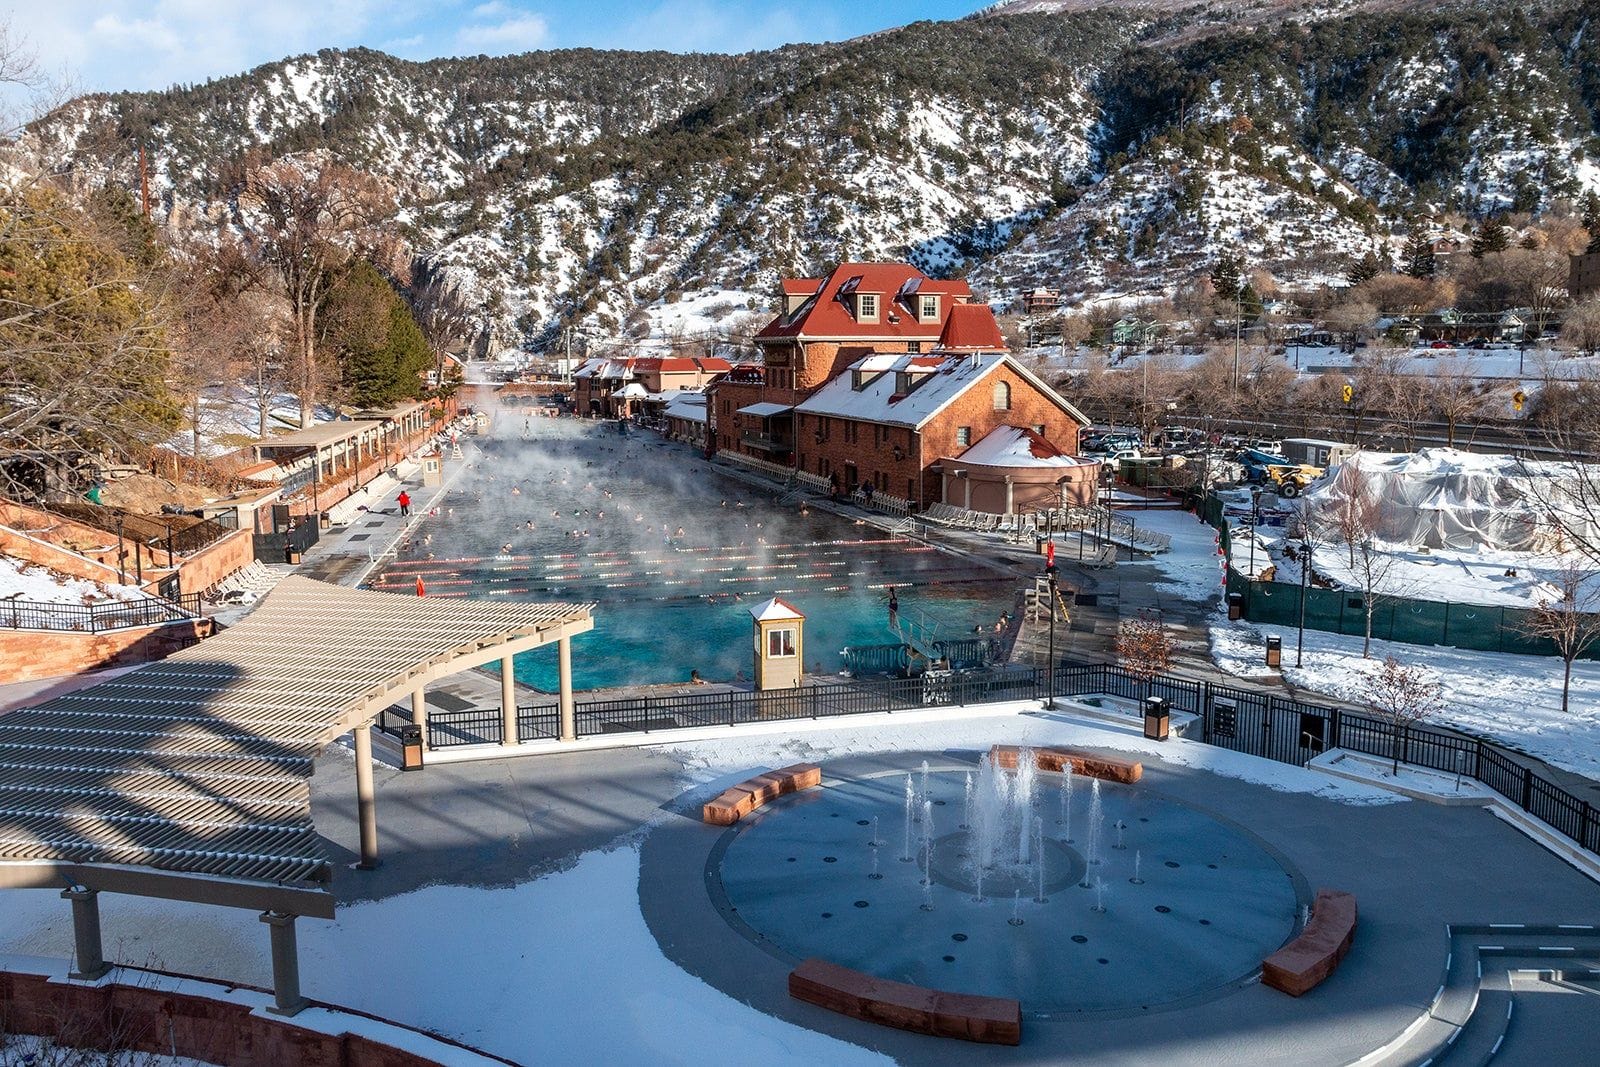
{"x": 1292, "y": 478}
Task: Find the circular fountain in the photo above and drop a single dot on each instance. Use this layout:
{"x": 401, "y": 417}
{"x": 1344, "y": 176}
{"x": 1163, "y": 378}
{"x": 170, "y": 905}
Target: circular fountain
{"x": 1063, "y": 892}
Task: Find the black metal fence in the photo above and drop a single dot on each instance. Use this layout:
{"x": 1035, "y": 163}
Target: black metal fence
{"x": 1251, "y": 721}
{"x": 97, "y": 618}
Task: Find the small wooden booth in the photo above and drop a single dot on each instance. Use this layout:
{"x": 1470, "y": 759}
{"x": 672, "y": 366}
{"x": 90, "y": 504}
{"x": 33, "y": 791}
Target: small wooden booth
{"x": 779, "y": 649}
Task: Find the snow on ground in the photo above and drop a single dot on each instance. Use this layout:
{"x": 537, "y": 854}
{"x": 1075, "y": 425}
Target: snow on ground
{"x": 510, "y": 971}
{"x": 1510, "y": 698}
{"x": 1193, "y": 568}
{"x": 1442, "y": 574}
{"x": 710, "y": 760}
{"x": 20, "y": 580}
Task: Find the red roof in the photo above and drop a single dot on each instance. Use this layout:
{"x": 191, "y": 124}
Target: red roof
{"x": 827, "y": 315}
{"x": 972, "y": 327}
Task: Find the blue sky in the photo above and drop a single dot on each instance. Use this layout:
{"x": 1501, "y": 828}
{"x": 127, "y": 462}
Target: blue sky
{"x": 149, "y": 44}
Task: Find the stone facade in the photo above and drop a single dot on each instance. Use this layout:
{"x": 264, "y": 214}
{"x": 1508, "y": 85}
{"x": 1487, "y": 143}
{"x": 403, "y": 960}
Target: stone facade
{"x": 164, "y": 1021}
{"x": 51, "y": 653}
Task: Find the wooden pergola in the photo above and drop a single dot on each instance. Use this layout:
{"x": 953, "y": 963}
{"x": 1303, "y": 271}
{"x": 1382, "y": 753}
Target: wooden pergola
{"x": 188, "y": 779}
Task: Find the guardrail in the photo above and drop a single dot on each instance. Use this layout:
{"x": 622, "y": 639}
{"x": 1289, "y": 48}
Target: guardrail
{"x": 97, "y": 618}
{"x": 1258, "y": 723}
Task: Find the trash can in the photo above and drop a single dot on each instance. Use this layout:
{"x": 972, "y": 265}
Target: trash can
{"x": 291, "y": 555}
{"x": 1235, "y": 607}
{"x": 1274, "y": 651}
{"x": 1038, "y": 545}
{"x": 411, "y": 747}
{"x": 1157, "y": 719}
{"x": 325, "y": 520}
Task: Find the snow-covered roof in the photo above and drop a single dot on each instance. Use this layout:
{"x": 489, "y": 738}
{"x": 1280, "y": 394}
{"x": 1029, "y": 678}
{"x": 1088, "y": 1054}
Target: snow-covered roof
{"x": 936, "y": 381}
{"x": 691, "y": 407}
{"x": 827, "y": 314}
{"x": 633, "y": 391}
{"x": 1018, "y": 446}
{"x": 772, "y": 610}
{"x": 765, "y": 409}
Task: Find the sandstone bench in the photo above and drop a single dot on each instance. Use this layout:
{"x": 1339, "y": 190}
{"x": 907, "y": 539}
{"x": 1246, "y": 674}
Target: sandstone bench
{"x": 1312, "y": 957}
{"x": 925, "y": 1011}
{"x": 1110, "y": 768}
{"x": 735, "y": 803}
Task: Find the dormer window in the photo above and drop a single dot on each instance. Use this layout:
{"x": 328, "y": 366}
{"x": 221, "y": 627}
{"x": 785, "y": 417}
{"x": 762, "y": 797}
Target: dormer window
{"x": 928, "y": 308}
{"x": 867, "y": 307}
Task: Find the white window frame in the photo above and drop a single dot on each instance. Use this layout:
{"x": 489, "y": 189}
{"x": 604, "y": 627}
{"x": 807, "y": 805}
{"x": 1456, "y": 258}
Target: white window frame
{"x": 928, "y": 307}
{"x": 780, "y": 638}
{"x": 867, "y": 306}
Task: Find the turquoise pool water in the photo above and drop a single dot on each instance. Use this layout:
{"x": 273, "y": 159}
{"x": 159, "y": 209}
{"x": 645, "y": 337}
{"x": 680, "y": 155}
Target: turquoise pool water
{"x": 673, "y": 553}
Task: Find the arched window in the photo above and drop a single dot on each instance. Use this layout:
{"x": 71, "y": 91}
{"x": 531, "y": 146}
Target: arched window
{"x": 1002, "y": 396}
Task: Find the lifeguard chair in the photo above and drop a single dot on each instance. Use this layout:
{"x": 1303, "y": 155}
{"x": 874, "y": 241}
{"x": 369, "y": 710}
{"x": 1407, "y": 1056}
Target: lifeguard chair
{"x": 779, "y": 644}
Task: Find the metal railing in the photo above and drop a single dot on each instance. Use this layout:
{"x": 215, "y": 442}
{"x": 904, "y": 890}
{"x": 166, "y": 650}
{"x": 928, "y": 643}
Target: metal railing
{"x": 97, "y": 618}
{"x": 1251, "y": 721}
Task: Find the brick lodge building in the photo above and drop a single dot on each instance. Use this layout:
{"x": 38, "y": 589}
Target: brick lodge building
{"x": 618, "y": 387}
{"x": 894, "y": 404}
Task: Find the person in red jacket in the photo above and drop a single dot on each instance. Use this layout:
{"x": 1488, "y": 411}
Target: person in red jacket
{"x": 404, "y": 500}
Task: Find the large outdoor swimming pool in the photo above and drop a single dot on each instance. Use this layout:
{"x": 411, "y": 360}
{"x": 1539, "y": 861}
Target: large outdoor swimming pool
{"x": 673, "y": 552}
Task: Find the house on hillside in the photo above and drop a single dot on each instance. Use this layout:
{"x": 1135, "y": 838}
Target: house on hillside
{"x": 1041, "y": 301}
{"x": 1134, "y": 332}
{"x": 895, "y": 421}
{"x": 1583, "y": 275}
{"x": 824, "y": 326}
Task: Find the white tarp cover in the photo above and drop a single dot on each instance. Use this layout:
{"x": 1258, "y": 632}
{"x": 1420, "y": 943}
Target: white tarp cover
{"x": 1444, "y": 498}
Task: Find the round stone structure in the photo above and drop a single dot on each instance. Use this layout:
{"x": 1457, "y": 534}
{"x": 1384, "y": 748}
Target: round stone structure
{"x": 1191, "y": 902}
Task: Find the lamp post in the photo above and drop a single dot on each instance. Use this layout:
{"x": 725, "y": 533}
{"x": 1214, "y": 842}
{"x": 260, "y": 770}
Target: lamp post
{"x": 1305, "y": 580}
{"x": 1050, "y": 666}
{"x": 122, "y": 552}
{"x": 1255, "y": 520}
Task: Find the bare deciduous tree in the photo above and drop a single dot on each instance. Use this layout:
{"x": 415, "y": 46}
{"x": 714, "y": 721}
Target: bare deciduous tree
{"x": 1402, "y": 695}
{"x": 1144, "y": 647}
{"x": 309, "y": 222}
{"x": 443, "y": 312}
{"x": 1570, "y": 620}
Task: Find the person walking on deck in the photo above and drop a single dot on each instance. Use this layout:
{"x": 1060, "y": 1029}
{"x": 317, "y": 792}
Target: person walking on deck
{"x": 404, "y": 500}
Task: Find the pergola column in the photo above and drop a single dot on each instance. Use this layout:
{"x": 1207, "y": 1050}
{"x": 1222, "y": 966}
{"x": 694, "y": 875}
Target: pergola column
{"x": 1010, "y": 494}
{"x": 366, "y": 802}
{"x": 509, "y": 735}
{"x": 86, "y": 932}
{"x": 285, "y": 964}
{"x": 569, "y": 724}
{"x": 419, "y": 714}
{"x": 966, "y": 488}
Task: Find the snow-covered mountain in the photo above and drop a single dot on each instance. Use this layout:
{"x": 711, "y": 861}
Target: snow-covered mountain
{"x": 1095, "y": 147}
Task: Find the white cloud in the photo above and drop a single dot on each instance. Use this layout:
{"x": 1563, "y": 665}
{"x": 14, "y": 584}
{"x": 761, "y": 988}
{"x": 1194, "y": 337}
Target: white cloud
{"x": 136, "y": 33}
{"x": 493, "y": 9}
{"x": 518, "y": 33}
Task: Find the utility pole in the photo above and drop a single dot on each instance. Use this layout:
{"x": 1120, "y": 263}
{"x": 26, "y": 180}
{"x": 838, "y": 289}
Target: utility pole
{"x": 144, "y": 185}
{"x": 1238, "y": 328}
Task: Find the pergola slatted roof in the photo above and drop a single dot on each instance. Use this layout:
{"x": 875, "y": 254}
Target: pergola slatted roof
{"x": 200, "y": 764}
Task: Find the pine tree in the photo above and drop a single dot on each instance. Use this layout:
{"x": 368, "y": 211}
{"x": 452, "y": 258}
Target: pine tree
{"x": 1419, "y": 258}
{"x": 1365, "y": 269}
{"x": 1493, "y": 236}
{"x": 1591, "y": 213}
{"x": 1228, "y": 275}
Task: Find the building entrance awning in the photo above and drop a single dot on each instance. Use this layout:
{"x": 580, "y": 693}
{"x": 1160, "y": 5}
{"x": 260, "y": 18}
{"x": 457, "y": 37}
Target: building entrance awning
{"x": 765, "y": 410}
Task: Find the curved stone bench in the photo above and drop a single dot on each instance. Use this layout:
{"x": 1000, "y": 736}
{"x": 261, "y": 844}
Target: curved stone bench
{"x": 735, "y": 803}
{"x": 1312, "y": 957}
{"x": 1093, "y": 765}
{"x": 994, "y": 1020}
